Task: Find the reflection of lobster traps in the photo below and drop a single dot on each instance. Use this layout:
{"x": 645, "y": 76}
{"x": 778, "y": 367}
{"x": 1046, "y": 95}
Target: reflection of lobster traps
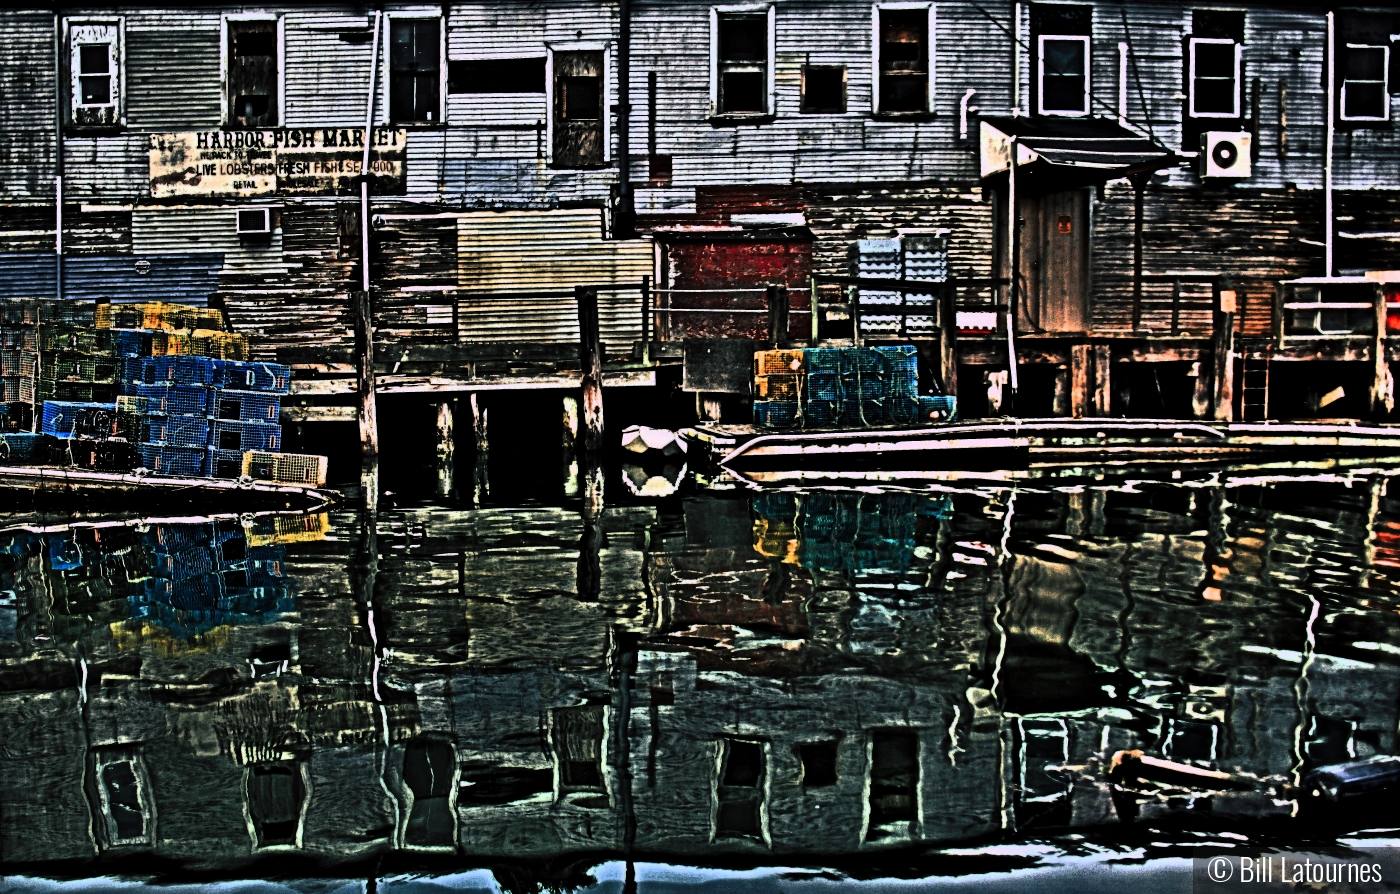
{"x": 280, "y": 529}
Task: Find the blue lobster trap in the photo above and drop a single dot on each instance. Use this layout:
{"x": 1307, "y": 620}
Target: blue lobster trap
{"x": 245, "y": 375}
{"x": 166, "y": 460}
{"x": 244, "y": 406}
{"x": 240, "y": 436}
{"x": 175, "y": 400}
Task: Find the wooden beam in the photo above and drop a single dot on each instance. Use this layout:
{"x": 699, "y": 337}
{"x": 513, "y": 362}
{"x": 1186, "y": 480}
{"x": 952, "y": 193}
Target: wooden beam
{"x": 1079, "y": 375}
{"x": 947, "y": 340}
{"x": 446, "y": 453}
{"x": 1382, "y": 387}
{"x": 591, "y": 380}
{"x": 319, "y": 414}
{"x": 364, "y": 378}
{"x": 1223, "y": 349}
{"x": 481, "y": 445}
{"x": 1103, "y": 384}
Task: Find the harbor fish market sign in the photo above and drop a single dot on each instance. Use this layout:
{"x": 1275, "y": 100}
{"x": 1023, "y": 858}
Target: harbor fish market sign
{"x": 288, "y": 161}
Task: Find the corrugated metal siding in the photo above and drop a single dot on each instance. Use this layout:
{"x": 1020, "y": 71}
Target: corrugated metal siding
{"x": 115, "y": 168}
{"x": 172, "y": 72}
{"x": 184, "y": 230}
{"x": 188, "y": 279}
{"x": 522, "y": 251}
{"x": 27, "y": 111}
{"x": 415, "y": 277}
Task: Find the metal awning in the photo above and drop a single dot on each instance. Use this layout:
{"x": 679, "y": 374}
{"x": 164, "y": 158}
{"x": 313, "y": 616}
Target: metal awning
{"x": 1064, "y": 153}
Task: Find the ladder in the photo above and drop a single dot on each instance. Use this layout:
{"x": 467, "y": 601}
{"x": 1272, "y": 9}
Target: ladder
{"x": 1254, "y": 389}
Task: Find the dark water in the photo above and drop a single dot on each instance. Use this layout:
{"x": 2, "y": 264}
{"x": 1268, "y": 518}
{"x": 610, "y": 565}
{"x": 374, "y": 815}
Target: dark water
{"x": 767, "y": 691}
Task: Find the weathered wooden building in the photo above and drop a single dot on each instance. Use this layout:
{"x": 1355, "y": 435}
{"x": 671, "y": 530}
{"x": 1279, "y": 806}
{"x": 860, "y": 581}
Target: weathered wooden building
{"x": 1180, "y": 172}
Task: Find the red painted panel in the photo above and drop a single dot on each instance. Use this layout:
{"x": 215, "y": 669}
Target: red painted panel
{"x": 738, "y": 265}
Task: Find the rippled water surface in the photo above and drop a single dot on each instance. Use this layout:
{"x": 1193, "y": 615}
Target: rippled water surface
{"x": 774, "y": 690}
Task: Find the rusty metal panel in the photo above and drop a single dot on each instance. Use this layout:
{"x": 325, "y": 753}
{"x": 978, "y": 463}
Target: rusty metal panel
{"x": 26, "y": 105}
{"x": 173, "y": 80}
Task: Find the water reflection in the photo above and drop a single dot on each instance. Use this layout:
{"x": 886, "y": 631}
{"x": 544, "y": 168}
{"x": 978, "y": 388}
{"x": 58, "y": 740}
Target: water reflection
{"x": 805, "y": 675}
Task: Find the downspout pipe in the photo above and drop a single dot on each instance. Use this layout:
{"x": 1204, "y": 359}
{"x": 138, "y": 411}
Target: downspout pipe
{"x": 624, "y": 225}
{"x": 1013, "y": 223}
{"x": 58, "y": 151}
{"x": 364, "y": 162}
{"x": 1331, "y": 127}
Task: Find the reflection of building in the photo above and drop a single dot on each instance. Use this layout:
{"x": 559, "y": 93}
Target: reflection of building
{"x": 801, "y": 674}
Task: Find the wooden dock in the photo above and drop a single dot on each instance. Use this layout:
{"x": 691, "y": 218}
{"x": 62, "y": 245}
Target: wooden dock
{"x": 43, "y": 488}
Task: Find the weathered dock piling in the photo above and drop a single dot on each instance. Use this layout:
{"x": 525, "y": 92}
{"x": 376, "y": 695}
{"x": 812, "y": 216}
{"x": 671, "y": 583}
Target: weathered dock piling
{"x": 591, "y": 372}
{"x": 446, "y": 453}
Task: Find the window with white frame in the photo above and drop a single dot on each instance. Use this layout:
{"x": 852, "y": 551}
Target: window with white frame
{"x": 415, "y": 70}
{"x": 903, "y": 36}
{"x": 1214, "y": 78}
{"x": 252, "y": 62}
{"x": 1063, "y": 73}
{"x": 1365, "y": 94}
{"x": 95, "y": 73}
{"x": 742, "y": 63}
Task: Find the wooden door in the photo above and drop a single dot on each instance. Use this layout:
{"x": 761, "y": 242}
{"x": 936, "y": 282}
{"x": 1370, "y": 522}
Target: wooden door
{"x": 1055, "y": 262}
{"x": 578, "y": 109}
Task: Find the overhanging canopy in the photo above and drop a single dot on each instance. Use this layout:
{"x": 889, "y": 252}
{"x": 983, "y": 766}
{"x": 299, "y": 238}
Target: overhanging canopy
{"x": 1065, "y": 153}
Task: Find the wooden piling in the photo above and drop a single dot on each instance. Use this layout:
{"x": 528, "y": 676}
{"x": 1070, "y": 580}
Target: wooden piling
{"x": 1103, "y": 380}
{"x": 777, "y": 296}
{"x": 1223, "y": 352}
{"x": 570, "y": 446}
{"x": 1059, "y": 405}
{"x": 1080, "y": 358}
{"x": 482, "y": 448}
{"x": 815, "y": 310}
{"x": 364, "y": 375}
{"x": 446, "y": 450}
{"x": 591, "y": 359}
{"x": 646, "y": 320}
{"x": 947, "y": 339}
{"x": 1382, "y": 387}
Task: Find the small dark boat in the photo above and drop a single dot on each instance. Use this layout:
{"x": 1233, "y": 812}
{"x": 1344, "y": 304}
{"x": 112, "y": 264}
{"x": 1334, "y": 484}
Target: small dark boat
{"x": 1036, "y": 448}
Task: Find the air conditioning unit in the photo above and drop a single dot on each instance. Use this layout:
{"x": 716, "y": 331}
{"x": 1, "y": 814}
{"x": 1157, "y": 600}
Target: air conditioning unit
{"x": 254, "y": 221}
{"x": 1225, "y": 153}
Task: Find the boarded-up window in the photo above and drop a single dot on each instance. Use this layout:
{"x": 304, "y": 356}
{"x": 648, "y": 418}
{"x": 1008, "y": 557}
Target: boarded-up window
{"x": 578, "y": 745}
{"x": 894, "y": 779}
{"x": 415, "y": 71}
{"x": 252, "y": 74}
{"x": 742, "y": 64}
{"x": 275, "y": 796}
{"x": 95, "y": 83}
{"x": 1060, "y": 38}
{"x": 578, "y": 109}
{"x": 496, "y": 76}
{"x": 429, "y": 768}
{"x": 904, "y": 60}
{"x": 824, "y": 89}
{"x": 741, "y": 774}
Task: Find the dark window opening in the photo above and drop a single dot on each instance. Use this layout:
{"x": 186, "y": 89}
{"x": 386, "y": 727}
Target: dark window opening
{"x": 428, "y": 769}
{"x": 1192, "y": 740}
{"x": 578, "y": 109}
{"x": 496, "y": 76}
{"x": 904, "y": 60}
{"x": 1330, "y": 741}
{"x": 485, "y": 784}
{"x": 252, "y": 74}
{"x": 123, "y": 801}
{"x": 824, "y": 88}
{"x": 414, "y": 71}
{"x": 743, "y": 64}
{"x": 1064, "y": 67}
{"x": 578, "y": 742}
{"x": 818, "y": 763}
{"x": 742, "y": 769}
{"x": 1364, "y": 92}
{"x": 1059, "y": 39}
{"x": 894, "y": 777}
{"x": 275, "y": 796}
{"x": 95, "y": 74}
{"x": 1214, "y": 82}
